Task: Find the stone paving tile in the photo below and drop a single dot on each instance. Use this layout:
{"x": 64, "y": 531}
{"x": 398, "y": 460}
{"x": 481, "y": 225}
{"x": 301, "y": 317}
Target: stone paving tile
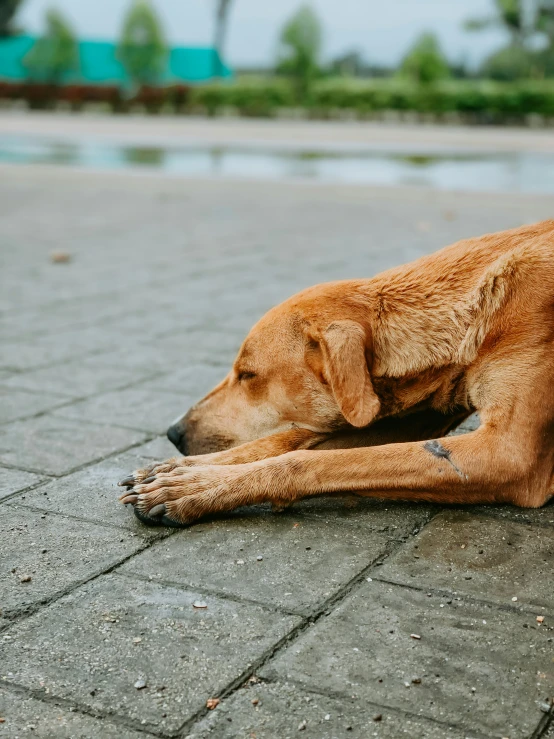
{"x": 305, "y": 561}
{"x": 25, "y": 716}
{"x": 164, "y": 314}
{"x": 136, "y": 358}
{"x": 15, "y": 404}
{"x": 470, "y": 424}
{"x": 79, "y": 378}
{"x": 281, "y": 710}
{"x": 57, "y": 552}
{"x": 11, "y": 481}
{"x": 365, "y": 649}
{"x": 482, "y": 557}
{"x": 56, "y": 445}
{"x": 397, "y": 519}
{"x": 54, "y": 316}
{"x": 198, "y": 347}
{"x": 134, "y": 408}
{"x": 192, "y": 380}
{"x": 37, "y": 352}
{"x": 92, "y": 493}
{"x": 168, "y": 354}
{"x": 535, "y": 516}
{"x": 93, "y": 645}
{"x": 158, "y": 448}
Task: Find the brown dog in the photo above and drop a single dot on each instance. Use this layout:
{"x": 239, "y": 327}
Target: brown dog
{"x": 350, "y": 386}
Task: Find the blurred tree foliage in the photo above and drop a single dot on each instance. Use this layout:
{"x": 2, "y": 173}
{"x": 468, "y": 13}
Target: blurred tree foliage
{"x": 350, "y": 64}
{"x": 530, "y": 53}
{"x": 300, "y": 48}
{"x": 8, "y": 9}
{"x": 55, "y": 54}
{"x": 511, "y": 63}
{"x": 142, "y": 48}
{"x": 509, "y": 15}
{"x": 425, "y": 62}
{"x": 545, "y": 19}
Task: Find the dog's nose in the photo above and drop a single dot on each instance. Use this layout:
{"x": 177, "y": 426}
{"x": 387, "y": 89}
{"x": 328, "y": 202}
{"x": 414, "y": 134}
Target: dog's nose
{"x": 174, "y": 435}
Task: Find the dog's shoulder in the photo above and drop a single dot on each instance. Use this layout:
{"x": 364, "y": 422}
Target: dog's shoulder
{"x": 439, "y": 309}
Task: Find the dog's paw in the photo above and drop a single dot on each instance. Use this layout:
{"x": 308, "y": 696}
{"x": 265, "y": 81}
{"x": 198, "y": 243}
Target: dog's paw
{"x": 181, "y": 495}
{"x": 149, "y": 473}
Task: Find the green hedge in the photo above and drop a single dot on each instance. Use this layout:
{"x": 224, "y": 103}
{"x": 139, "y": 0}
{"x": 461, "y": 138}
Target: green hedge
{"x": 473, "y": 101}
{"x": 488, "y": 100}
{"x": 250, "y": 99}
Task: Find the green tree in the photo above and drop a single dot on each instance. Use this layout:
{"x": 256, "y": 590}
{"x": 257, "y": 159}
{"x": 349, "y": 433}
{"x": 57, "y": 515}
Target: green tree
{"x": 509, "y": 15}
{"x": 526, "y": 21}
{"x": 8, "y": 9}
{"x": 513, "y": 62}
{"x": 350, "y": 64}
{"x": 142, "y": 49}
{"x": 545, "y": 20}
{"x": 55, "y": 55}
{"x": 300, "y": 47}
{"x": 425, "y": 61}
{"x": 221, "y": 20}
{"x": 521, "y": 18}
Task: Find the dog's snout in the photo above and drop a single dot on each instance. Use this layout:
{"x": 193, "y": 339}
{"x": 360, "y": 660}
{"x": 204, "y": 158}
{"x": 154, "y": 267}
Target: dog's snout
{"x": 174, "y": 435}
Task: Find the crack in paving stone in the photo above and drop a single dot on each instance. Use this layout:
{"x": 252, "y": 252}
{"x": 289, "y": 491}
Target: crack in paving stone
{"x": 545, "y": 723}
{"x": 337, "y": 695}
{"x": 74, "y": 706}
{"x": 465, "y": 598}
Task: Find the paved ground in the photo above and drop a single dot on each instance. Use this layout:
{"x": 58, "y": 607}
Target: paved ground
{"x": 98, "y": 633}
{"x": 178, "y": 131}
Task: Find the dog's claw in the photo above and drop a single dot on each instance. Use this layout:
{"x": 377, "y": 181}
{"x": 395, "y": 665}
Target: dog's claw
{"x": 127, "y": 482}
{"x": 163, "y": 521}
{"x": 148, "y": 479}
{"x": 157, "y": 511}
{"x": 129, "y": 499}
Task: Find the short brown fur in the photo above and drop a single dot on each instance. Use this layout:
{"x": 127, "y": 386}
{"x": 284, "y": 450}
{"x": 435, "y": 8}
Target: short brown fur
{"x": 337, "y": 390}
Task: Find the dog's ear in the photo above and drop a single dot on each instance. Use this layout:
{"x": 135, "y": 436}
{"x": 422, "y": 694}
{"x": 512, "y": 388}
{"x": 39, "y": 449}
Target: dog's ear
{"x": 343, "y": 345}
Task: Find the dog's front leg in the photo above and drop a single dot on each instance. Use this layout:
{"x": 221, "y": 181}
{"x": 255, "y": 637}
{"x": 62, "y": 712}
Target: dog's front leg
{"x": 423, "y": 425}
{"x": 254, "y": 451}
{"x": 480, "y": 467}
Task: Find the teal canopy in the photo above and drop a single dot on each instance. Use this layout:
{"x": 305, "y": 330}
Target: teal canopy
{"x": 100, "y": 66}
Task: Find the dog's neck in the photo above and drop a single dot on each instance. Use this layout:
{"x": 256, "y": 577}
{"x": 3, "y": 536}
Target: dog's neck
{"x": 442, "y": 389}
{"x": 419, "y": 324}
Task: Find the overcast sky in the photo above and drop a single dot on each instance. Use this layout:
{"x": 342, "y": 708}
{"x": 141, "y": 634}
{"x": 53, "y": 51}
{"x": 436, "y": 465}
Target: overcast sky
{"x": 381, "y": 30}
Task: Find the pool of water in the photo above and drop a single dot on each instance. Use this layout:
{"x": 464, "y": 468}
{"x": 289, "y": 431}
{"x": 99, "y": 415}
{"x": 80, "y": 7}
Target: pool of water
{"x": 501, "y": 172}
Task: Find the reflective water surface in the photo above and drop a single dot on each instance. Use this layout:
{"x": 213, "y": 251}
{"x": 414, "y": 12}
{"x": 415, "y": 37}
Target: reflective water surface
{"x": 502, "y": 172}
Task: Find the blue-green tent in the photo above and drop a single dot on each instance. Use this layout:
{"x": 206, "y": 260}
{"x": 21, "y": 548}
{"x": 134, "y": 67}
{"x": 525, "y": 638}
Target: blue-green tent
{"x": 100, "y": 66}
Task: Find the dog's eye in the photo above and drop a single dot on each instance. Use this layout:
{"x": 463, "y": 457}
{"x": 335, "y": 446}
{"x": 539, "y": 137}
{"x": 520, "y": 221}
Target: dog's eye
{"x": 246, "y": 376}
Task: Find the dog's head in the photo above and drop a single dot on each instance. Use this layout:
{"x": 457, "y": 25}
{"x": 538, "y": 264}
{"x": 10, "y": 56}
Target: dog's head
{"x": 303, "y": 364}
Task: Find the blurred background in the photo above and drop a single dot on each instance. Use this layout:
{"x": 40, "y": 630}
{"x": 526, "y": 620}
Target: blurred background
{"x": 409, "y": 64}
